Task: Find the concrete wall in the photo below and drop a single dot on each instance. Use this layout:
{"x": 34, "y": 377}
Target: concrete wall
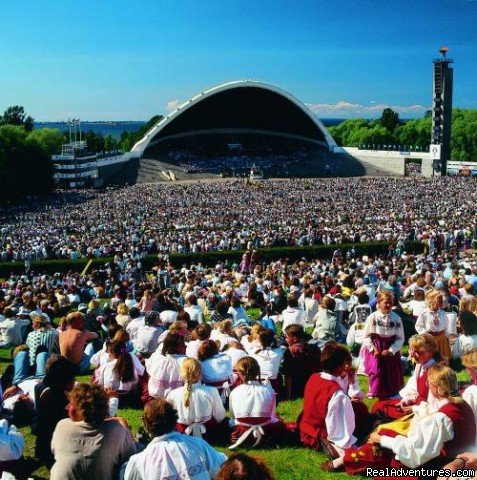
{"x": 391, "y": 161}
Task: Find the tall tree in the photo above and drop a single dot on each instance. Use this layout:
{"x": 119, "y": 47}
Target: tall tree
{"x": 389, "y": 119}
{"x": 49, "y": 140}
{"x": 16, "y": 116}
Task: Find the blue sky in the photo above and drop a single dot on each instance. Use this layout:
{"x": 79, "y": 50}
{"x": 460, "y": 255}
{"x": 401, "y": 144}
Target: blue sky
{"x": 128, "y": 60}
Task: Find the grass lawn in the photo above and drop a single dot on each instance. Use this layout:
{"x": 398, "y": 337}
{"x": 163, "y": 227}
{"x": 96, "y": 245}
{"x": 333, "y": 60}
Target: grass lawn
{"x": 294, "y": 463}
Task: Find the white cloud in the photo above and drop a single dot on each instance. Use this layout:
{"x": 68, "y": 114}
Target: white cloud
{"x": 172, "y": 105}
{"x": 348, "y": 109}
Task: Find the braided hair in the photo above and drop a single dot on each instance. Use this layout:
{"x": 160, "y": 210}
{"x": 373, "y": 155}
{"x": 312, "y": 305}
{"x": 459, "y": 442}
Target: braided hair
{"x": 191, "y": 372}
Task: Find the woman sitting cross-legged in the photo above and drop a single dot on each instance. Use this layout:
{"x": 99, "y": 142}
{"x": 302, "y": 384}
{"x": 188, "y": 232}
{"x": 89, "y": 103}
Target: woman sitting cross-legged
{"x": 435, "y": 436}
{"x": 88, "y": 444}
{"x": 171, "y": 454}
{"x": 198, "y": 406}
{"x": 217, "y": 368}
{"x": 253, "y": 408}
{"x": 423, "y": 350}
{"x": 163, "y": 367}
{"x": 327, "y": 421}
{"x": 119, "y": 373}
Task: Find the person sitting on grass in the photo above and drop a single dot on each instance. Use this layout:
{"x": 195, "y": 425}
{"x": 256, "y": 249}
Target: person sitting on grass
{"x": 324, "y": 402}
{"x": 300, "y": 361}
{"x": 423, "y": 350}
{"x": 119, "y": 373}
{"x": 198, "y": 406}
{"x": 74, "y": 340}
{"x": 52, "y": 399}
{"x": 171, "y": 454}
{"x": 252, "y": 407}
{"x": 217, "y": 370}
{"x": 88, "y": 444}
{"x": 163, "y": 367}
{"x": 12, "y": 445}
{"x": 434, "y": 438}
{"x": 467, "y": 339}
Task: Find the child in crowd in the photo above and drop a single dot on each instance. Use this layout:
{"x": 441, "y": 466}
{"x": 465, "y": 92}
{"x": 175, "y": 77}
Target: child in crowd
{"x": 383, "y": 339}
{"x": 433, "y": 321}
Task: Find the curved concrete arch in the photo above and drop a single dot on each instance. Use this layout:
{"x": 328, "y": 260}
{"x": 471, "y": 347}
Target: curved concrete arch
{"x": 142, "y": 144}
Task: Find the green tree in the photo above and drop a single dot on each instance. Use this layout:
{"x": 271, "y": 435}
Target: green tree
{"x": 48, "y": 140}
{"x": 389, "y": 119}
{"x": 25, "y": 168}
{"x": 128, "y": 139}
{"x": 16, "y": 116}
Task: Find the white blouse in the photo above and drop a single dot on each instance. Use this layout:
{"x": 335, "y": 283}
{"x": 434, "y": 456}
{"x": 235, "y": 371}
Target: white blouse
{"x": 192, "y": 349}
{"x": 216, "y": 369}
{"x": 269, "y": 361}
{"x": 101, "y": 357}
{"x": 424, "y": 441}
{"x": 409, "y": 392}
{"x": 384, "y": 325}
{"x": 108, "y": 379}
{"x": 164, "y": 372}
{"x": 429, "y": 321}
{"x": 175, "y": 456}
{"x": 205, "y": 403}
{"x": 252, "y": 400}
{"x": 339, "y": 420}
{"x": 195, "y": 313}
{"x": 250, "y": 346}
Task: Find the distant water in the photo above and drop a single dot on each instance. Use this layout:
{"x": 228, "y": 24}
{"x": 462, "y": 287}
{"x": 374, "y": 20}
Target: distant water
{"x": 332, "y": 122}
{"x": 105, "y": 128}
{"x": 116, "y": 128}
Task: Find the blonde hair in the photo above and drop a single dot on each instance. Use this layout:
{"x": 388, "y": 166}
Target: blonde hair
{"x": 122, "y": 309}
{"x": 426, "y": 342}
{"x": 432, "y": 298}
{"x": 469, "y": 359}
{"x": 384, "y": 295}
{"x": 445, "y": 379}
{"x": 254, "y": 331}
{"x": 191, "y": 372}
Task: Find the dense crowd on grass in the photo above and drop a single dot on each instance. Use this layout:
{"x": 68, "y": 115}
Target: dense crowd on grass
{"x": 180, "y": 346}
{"x": 235, "y": 215}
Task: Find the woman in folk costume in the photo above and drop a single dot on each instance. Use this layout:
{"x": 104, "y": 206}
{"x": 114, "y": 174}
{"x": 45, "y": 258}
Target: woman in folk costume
{"x": 383, "y": 339}
{"x": 437, "y": 433}
{"x": 171, "y": 455}
{"x": 423, "y": 350}
{"x": 199, "y": 407}
{"x": 163, "y": 366}
{"x": 269, "y": 358}
{"x": 252, "y": 407}
{"x": 217, "y": 369}
{"x": 327, "y": 421}
{"x": 434, "y": 321}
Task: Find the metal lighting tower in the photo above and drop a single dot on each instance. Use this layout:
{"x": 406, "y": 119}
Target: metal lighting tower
{"x": 442, "y": 112}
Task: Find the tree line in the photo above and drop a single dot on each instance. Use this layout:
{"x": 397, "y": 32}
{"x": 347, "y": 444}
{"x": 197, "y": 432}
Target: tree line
{"x": 25, "y": 152}
{"x": 389, "y": 130}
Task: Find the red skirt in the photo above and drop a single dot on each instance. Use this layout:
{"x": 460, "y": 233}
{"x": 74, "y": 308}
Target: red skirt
{"x": 274, "y": 433}
{"x": 387, "y": 409}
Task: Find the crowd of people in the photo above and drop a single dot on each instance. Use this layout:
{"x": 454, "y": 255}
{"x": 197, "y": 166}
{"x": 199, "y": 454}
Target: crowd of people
{"x": 233, "y": 215}
{"x": 180, "y": 345}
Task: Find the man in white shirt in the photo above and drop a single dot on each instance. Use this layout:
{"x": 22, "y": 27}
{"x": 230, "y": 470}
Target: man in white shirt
{"x": 147, "y": 337}
{"x": 293, "y": 314}
{"x": 12, "y": 329}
